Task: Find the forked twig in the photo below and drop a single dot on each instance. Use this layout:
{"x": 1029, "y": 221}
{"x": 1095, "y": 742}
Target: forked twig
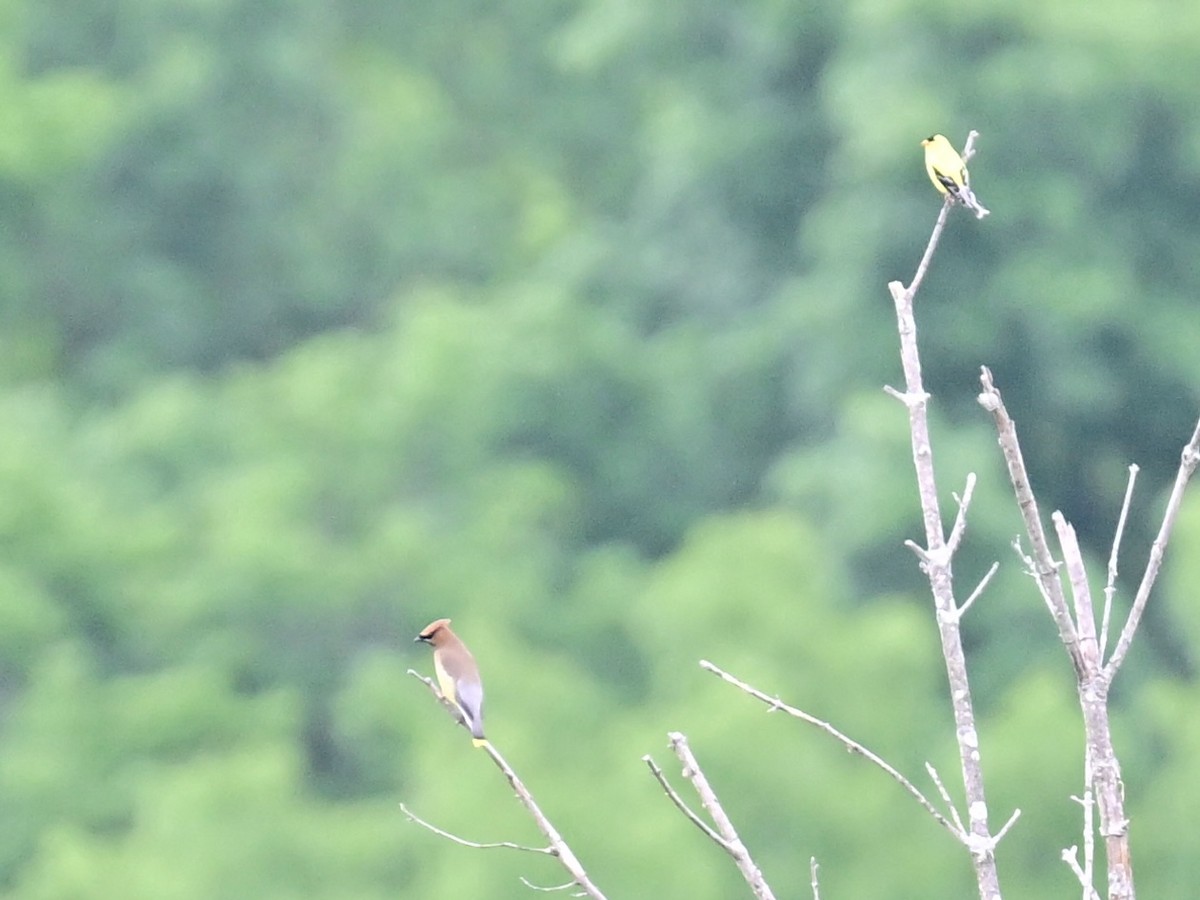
{"x": 558, "y": 848}
{"x": 1103, "y": 784}
{"x": 661, "y": 778}
{"x": 1189, "y": 459}
{"x": 724, "y": 835}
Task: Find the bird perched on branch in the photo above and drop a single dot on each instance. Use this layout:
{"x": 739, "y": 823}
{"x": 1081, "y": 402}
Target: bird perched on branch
{"x": 457, "y": 675}
{"x": 948, "y": 173}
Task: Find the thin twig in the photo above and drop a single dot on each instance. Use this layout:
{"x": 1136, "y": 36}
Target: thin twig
{"x": 960, "y": 520}
{"x": 1042, "y": 565}
{"x": 1071, "y": 857}
{"x": 849, "y": 743}
{"x": 936, "y": 778}
{"x": 936, "y": 236}
{"x": 506, "y": 845}
{"x": 1081, "y": 592}
{"x": 1110, "y": 587}
{"x": 921, "y": 553}
{"x": 681, "y": 805}
{"x": 1030, "y": 569}
{"x": 546, "y": 890}
{"x": 727, "y": 837}
{"x": 812, "y": 871}
{"x": 979, "y": 589}
{"x": 1187, "y": 465}
{"x": 1004, "y": 829}
{"x": 969, "y": 147}
{"x": 1088, "y": 803}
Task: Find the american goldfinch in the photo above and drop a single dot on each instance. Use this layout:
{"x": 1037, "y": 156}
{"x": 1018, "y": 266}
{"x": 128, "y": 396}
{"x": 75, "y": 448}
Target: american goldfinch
{"x": 457, "y": 675}
{"x": 948, "y": 173}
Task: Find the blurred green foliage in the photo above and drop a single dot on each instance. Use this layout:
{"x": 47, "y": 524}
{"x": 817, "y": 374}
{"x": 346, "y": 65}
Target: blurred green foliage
{"x": 320, "y": 320}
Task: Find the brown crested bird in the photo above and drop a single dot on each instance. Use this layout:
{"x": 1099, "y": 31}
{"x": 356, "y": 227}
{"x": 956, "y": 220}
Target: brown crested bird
{"x": 457, "y": 674}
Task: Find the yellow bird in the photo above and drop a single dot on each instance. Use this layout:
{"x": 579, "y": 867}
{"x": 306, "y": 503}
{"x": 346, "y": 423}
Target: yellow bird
{"x": 457, "y": 675}
{"x": 949, "y": 174}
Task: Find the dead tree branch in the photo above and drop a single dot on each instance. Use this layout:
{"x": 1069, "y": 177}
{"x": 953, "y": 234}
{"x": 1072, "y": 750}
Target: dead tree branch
{"x": 1077, "y": 630}
{"x": 935, "y": 559}
{"x": 725, "y": 835}
{"x": 1189, "y": 459}
{"x": 774, "y": 703}
{"x": 558, "y": 848}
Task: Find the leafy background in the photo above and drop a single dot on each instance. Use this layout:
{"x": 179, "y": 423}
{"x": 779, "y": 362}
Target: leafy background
{"x": 323, "y": 319}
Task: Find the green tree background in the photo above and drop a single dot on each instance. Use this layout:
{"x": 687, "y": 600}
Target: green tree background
{"x": 323, "y": 319}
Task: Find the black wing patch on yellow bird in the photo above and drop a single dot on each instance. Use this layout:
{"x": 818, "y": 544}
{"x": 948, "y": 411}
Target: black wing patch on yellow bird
{"x": 948, "y": 183}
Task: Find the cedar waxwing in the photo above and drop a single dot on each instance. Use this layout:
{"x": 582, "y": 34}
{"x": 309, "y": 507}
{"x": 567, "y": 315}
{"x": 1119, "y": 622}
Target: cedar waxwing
{"x": 457, "y": 674}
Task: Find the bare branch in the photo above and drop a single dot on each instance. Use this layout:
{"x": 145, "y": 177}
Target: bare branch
{"x": 960, "y": 520}
{"x": 506, "y": 845}
{"x": 1030, "y": 568}
{"x": 1088, "y": 803}
{"x": 1110, "y": 587}
{"x": 979, "y": 589}
{"x": 728, "y": 838}
{"x": 849, "y": 743}
{"x": 1043, "y": 567}
{"x": 945, "y": 795}
{"x": 1071, "y": 857}
{"x": 1085, "y": 616}
{"x": 927, "y": 256}
{"x": 1012, "y": 820}
{"x": 812, "y": 871}
{"x": 1100, "y": 755}
{"x": 558, "y": 847}
{"x": 1078, "y": 634}
{"x": 936, "y": 564}
{"x": 919, "y": 551}
{"x": 969, "y": 146}
{"x": 681, "y": 805}
{"x": 548, "y": 890}
{"x": 1187, "y": 465}
{"x": 906, "y": 399}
